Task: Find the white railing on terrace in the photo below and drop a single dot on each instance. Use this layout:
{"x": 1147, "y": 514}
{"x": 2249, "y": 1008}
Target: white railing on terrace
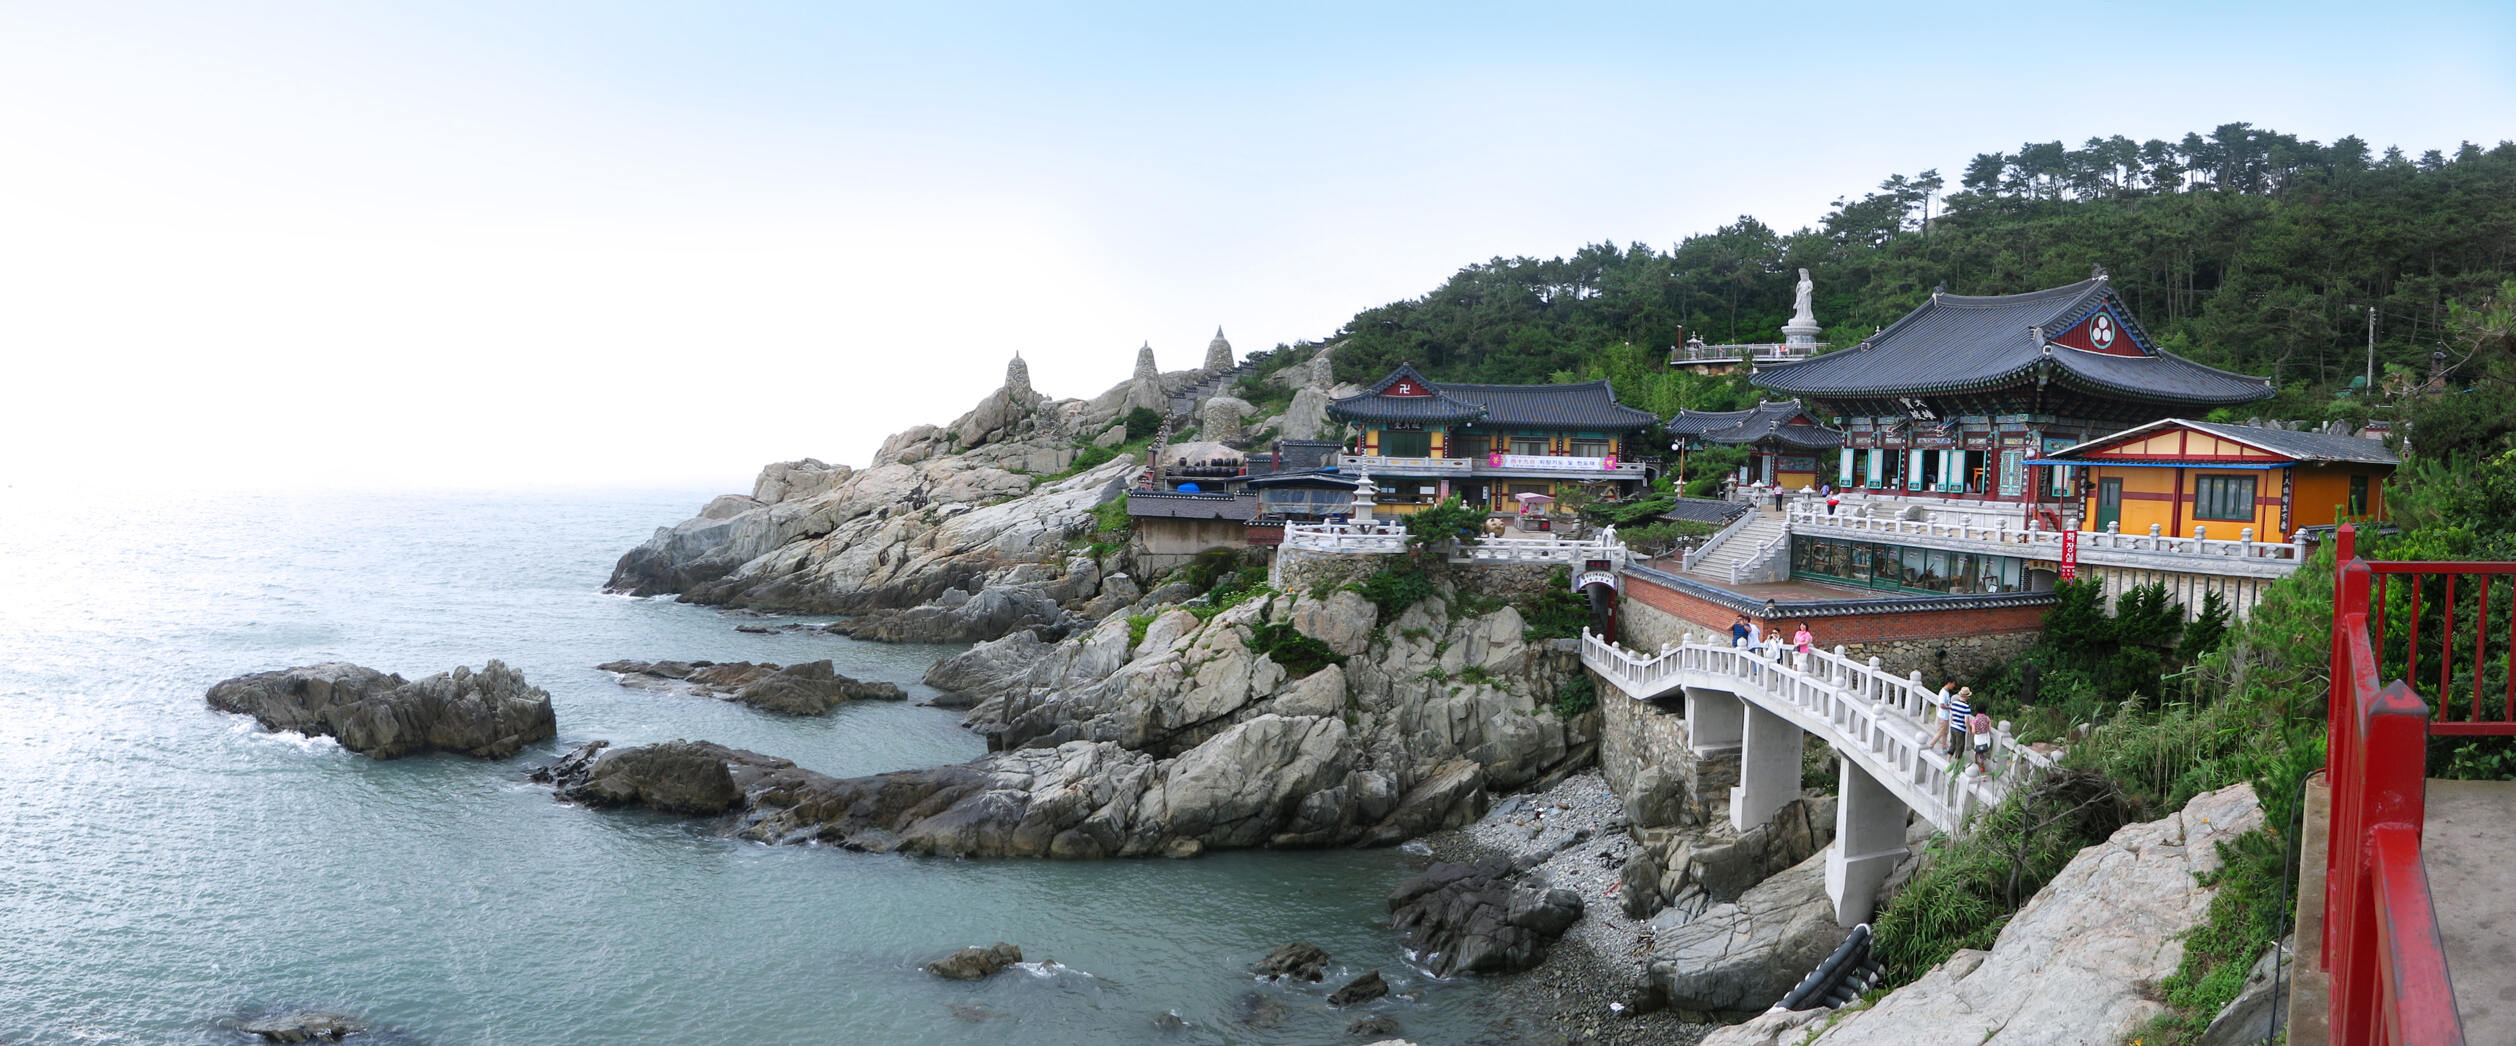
{"x": 1777, "y": 545}
{"x": 1880, "y": 721}
{"x": 2047, "y": 544}
{"x": 1704, "y": 551}
{"x": 1377, "y": 463}
{"x": 1544, "y": 550}
{"x": 1380, "y": 538}
{"x": 1391, "y": 538}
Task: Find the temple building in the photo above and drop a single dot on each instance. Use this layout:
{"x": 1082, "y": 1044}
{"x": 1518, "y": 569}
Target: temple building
{"x": 1785, "y": 443}
{"x": 2177, "y": 477}
{"x": 1422, "y": 441}
{"x": 1963, "y": 396}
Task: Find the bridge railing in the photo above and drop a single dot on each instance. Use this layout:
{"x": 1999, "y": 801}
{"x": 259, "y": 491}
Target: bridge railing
{"x": 2381, "y": 941}
{"x": 1704, "y": 551}
{"x": 1885, "y": 720}
{"x": 1379, "y": 538}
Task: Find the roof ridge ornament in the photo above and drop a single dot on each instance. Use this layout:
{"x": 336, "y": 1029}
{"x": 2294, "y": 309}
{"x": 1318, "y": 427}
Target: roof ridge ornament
{"x": 2096, "y": 272}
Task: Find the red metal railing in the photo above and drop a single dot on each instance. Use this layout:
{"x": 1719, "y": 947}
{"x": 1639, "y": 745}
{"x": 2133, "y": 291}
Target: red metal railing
{"x": 2381, "y": 941}
{"x": 2428, "y": 604}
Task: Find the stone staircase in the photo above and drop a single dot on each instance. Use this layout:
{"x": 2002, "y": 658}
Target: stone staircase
{"x": 1739, "y": 554}
{"x": 1207, "y": 387}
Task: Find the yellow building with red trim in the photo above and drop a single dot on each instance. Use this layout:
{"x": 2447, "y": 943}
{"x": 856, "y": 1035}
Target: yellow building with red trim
{"x": 2180, "y": 476}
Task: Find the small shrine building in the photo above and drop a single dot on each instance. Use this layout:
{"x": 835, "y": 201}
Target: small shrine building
{"x": 2231, "y": 481}
{"x": 1786, "y": 446}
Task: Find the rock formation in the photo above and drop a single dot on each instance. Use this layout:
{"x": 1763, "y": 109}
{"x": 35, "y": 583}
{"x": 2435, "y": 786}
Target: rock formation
{"x": 489, "y": 714}
{"x": 975, "y": 963}
{"x": 967, "y": 508}
{"x": 1218, "y": 352}
{"x": 811, "y": 688}
{"x": 1193, "y": 737}
{"x": 1744, "y": 955}
{"x": 1300, "y": 961}
{"x": 1221, "y": 418}
{"x": 2078, "y": 966}
{"x": 1471, "y": 917}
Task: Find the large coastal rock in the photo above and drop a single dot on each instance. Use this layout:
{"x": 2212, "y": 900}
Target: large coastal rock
{"x": 1745, "y": 955}
{"x": 1472, "y": 917}
{"x": 489, "y": 714}
{"x": 2078, "y": 966}
{"x": 1192, "y": 737}
{"x": 968, "y": 508}
{"x": 810, "y": 688}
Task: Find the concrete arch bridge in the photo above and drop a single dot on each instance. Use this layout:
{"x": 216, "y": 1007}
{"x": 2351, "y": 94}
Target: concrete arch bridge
{"x": 1879, "y": 723}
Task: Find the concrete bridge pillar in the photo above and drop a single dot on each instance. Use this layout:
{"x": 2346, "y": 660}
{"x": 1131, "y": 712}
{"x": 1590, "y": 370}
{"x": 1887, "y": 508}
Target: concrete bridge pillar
{"x": 1713, "y": 719}
{"x": 1869, "y": 841}
{"x": 1768, "y": 768}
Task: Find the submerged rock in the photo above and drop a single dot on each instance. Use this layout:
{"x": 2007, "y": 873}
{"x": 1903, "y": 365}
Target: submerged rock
{"x": 1472, "y": 917}
{"x": 489, "y": 714}
{"x": 1300, "y": 960}
{"x": 974, "y": 963}
{"x": 1359, "y": 990}
{"x": 810, "y": 688}
{"x": 304, "y": 1026}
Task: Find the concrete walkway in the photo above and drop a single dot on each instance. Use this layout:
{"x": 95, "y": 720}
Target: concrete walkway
{"x": 2468, "y": 846}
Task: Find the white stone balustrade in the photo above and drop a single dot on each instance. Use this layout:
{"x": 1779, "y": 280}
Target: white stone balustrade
{"x": 1702, "y": 552}
{"x": 1879, "y": 723}
{"x": 1374, "y": 538}
{"x": 1391, "y": 538}
{"x": 2108, "y": 547}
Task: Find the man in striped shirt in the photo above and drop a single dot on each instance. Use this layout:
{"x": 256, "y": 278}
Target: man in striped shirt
{"x": 1953, "y": 713}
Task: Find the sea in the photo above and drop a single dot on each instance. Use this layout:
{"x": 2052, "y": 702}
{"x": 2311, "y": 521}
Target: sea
{"x": 166, "y": 869}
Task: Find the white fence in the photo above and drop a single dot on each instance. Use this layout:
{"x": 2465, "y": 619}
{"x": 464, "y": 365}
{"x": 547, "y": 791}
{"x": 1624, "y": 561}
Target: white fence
{"x": 1880, "y": 721}
{"x": 1391, "y": 538}
{"x": 2153, "y": 550}
{"x": 1751, "y": 563}
{"x": 1704, "y": 551}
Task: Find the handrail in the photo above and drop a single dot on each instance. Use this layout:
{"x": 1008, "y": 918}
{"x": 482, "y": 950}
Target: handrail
{"x": 1871, "y": 716}
{"x": 2426, "y": 599}
{"x": 1699, "y": 553}
{"x": 2200, "y": 545}
{"x": 2381, "y": 940}
{"x": 1747, "y": 564}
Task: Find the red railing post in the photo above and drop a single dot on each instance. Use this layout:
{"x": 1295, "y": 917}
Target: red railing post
{"x": 2342, "y": 763}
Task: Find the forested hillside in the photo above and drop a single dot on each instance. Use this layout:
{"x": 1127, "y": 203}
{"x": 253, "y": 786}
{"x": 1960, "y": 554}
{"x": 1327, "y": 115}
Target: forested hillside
{"x": 2244, "y": 248}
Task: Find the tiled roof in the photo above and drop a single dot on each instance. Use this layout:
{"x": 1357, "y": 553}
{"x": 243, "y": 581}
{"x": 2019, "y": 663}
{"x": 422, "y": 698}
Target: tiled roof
{"x": 1704, "y": 510}
{"x": 1582, "y": 405}
{"x": 1771, "y": 419}
{"x": 1171, "y": 504}
{"x": 1958, "y": 343}
{"x": 1372, "y": 406}
{"x": 1295, "y": 455}
{"x": 1306, "y": 478}
{"x": 2311, "y": 447}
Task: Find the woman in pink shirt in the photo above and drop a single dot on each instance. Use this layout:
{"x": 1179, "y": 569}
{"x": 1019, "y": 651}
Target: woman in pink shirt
{"x": 1802, "y": 641}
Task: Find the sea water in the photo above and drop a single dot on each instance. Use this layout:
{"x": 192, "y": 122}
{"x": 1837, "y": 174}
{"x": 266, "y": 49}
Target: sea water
{"x": 164, "y": 866}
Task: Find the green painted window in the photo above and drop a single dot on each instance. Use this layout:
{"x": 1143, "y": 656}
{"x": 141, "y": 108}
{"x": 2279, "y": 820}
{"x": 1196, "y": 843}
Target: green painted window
{"x": 2229, "y": 498}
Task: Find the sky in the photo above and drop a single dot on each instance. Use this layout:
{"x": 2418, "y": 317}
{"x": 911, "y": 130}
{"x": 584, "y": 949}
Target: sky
{"x": 658, "y": 245}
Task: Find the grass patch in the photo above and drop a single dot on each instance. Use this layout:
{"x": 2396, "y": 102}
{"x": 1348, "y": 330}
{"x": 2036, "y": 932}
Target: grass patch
{"x": 1396, "y": 587}
{"x": 1575, "y": 697}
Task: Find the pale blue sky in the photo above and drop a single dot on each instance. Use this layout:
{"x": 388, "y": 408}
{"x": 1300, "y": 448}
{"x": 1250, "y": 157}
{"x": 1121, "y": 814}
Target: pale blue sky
{"x": 502, "y": 244}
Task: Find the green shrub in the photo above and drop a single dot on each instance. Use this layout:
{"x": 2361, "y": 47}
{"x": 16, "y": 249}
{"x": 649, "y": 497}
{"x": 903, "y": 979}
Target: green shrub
{"x": 1300, "y": 655}
{"x": 1556, "y": 613}
{"x": 1396, "y": 587}
{"x": 1136, "y": 625}
{"x": 1141, "y": 422}
{"x": 1576, "y": 697}
{"x": 1476, "y": 674}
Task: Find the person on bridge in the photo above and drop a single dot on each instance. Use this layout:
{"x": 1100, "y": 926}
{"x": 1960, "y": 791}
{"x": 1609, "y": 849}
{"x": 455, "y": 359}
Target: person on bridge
{"x": 1740, "y": 630}
{"x": 1952, "y": 719}
{"x": 1980, "y": 725}
{"x": 1802, "y": 641}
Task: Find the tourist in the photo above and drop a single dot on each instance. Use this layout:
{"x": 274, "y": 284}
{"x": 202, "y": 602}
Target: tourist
{"x": 1959, "y": 715}
{"x": 1832, "y": 499}
{"x": 1980, "y": 725}
{"x": 1739, "y": 631}
{"x": 1802, "y": 641}
{"x": 1947, "y": 697}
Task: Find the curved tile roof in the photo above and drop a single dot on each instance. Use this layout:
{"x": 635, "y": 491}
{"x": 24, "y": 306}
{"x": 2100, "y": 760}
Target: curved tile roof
{"x": 1768, "y": 420}
{"x": 1959, "y": 343}
{"x": 1581, "y": 405}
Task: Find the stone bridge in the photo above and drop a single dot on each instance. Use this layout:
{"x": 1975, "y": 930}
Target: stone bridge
{"x": 1878, "y": 723}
